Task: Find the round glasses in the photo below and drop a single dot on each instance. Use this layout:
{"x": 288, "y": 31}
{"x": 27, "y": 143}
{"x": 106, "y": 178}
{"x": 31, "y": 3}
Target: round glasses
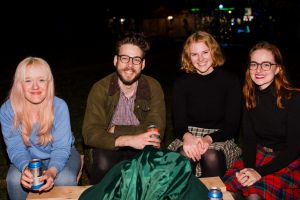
{"x": 264, "y": 65}
{"x": 126, "y": 59}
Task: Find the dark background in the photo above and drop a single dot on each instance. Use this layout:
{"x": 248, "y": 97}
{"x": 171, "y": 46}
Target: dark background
{"x": 74, "y": 38}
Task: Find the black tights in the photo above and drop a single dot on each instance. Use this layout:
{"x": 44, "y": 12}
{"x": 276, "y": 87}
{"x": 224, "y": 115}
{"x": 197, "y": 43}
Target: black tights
{"x": 213, "y": 163}
{"x": 104, "y": 160}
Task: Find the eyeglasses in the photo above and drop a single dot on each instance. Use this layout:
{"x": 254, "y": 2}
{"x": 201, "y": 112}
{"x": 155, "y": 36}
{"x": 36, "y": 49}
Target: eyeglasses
{"x": 264, "y": 65}
{"x": 126, "y": 59}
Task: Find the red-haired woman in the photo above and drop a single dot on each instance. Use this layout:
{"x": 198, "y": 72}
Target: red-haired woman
{"x": 270, "y": 168}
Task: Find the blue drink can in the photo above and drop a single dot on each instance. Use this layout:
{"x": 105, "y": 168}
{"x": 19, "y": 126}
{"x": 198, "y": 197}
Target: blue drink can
{"x": 215, "y": 194}
{"x": 36, "y": 168}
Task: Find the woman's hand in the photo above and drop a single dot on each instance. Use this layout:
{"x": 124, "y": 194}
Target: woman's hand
{"x": 192, "y": 146}
{"x": 26, "y": 178}
{"x": 205, "y": 142}
{"x": 248, "y": 177}
{"x": 48, "y": 176}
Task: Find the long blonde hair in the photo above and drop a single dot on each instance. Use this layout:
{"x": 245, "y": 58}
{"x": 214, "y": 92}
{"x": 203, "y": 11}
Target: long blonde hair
{"x": 21, "y": 110}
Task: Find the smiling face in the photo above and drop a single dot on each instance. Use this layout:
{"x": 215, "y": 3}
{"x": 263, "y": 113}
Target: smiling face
{"x": 35, "y": 85}
{"x": 263, "y": 78}
{"x": 201, "y": 58}
{"x": 129, "y": 73}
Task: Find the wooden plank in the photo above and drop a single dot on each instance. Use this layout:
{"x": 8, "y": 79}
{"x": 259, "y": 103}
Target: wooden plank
{"x": 217, "y": 182}
{"x": 73, "y": 192}
{"x": 59, "y": 193}
{"x": 213, "y": 182}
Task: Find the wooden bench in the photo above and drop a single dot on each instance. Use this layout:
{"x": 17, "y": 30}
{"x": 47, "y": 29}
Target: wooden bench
{"x": 73, "y": 192}
{"x": 217, "y": 182}
{"x": 59, "y": 193}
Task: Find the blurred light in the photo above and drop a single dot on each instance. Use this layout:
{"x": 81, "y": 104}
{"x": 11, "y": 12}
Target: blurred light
{"x": 122, "y": 20}
{"x": 170, "y": 17}
{"x": 221, "y": 6}
{"x": 225, "y": 9}
{"x": 247, "y": 29}
{"x": 247, "y": 18}
{"x": 195, "y": 9}
{"x": 229, "y": 11}
{"x": 248, "y": 11}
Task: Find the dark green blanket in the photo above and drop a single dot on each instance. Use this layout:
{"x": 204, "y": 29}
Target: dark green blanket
{"x": 152, "y": 175}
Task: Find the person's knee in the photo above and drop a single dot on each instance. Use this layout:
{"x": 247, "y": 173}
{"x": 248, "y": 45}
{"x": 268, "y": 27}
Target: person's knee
{"x": 254, "y": 197}
{"x": 66, "y": 178}
{"x": 13, "y": 182}
{"x": 13, "y": 178}
{"x": 213, "y": 155}
{"x": 213, "y": 163}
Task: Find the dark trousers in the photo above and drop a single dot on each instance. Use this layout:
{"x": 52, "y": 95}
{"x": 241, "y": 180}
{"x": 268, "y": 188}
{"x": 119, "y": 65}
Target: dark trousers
{"x": 103, "y": 160}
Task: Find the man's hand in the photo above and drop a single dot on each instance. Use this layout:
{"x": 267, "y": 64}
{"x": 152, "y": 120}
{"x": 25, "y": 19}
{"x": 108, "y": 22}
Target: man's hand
{"x": 139, "y": 141}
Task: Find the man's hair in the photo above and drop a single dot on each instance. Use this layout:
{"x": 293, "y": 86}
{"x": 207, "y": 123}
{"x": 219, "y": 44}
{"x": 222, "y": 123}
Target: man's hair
{"x": 134, "y": 38}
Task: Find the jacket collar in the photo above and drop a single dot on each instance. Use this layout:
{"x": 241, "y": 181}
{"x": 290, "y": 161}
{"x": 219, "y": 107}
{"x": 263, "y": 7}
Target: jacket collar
{"x": 143, "y": 89}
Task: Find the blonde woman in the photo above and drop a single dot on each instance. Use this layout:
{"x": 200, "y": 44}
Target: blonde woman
{"x": 36, "y": 125}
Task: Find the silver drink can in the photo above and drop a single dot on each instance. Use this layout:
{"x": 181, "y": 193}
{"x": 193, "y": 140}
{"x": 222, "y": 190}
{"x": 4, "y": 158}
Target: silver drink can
{"x": 36, "y": 168}
{"x": 215, "y": 193}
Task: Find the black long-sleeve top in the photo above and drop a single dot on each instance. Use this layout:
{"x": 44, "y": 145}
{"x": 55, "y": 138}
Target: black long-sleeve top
{"x": 211, "y": 101}
{"x": 274, "y": 128}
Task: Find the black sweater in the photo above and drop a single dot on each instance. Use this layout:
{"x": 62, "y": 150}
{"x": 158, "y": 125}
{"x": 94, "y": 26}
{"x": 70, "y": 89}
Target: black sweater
{"x": 212, "y": 101}
{"x": 274, "y": 128}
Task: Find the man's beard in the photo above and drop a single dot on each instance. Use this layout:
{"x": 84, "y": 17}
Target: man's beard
{"x": 129, "y": 82}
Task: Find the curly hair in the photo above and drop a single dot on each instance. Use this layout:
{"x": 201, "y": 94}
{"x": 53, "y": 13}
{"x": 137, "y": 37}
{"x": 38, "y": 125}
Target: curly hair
{"x": 138, "y": 39}
{"x": 210, "y": 42}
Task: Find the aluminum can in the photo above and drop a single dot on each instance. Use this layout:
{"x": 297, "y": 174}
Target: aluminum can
{"x": 36, "y": 168}
{"x": 153, "y": 128}
{"x": 215, "y": 193}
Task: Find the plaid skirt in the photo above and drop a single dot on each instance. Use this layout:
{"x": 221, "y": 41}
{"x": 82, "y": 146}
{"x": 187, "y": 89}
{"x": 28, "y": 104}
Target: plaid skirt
{"x": 283, "y": 184}
{"x": 231, "y": 151}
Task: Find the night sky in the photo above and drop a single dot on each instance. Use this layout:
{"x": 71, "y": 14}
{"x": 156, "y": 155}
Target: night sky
{"x": 46, "y": 23}
{"x": 48, "y": 26}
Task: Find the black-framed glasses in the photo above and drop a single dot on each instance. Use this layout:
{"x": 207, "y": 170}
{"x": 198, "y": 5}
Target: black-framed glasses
{"x": 264, "y": 65}
{"x": 135, "y": 60}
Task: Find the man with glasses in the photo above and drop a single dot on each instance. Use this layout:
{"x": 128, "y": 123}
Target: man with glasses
{"x": 121, "y": 106}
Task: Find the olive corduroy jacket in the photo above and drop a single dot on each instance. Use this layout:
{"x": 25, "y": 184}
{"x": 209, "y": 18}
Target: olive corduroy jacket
{"x": 102, "y": 101}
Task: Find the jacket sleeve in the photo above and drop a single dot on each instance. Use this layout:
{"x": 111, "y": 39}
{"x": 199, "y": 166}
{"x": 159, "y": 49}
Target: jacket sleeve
{"x": 96, "y": 119}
